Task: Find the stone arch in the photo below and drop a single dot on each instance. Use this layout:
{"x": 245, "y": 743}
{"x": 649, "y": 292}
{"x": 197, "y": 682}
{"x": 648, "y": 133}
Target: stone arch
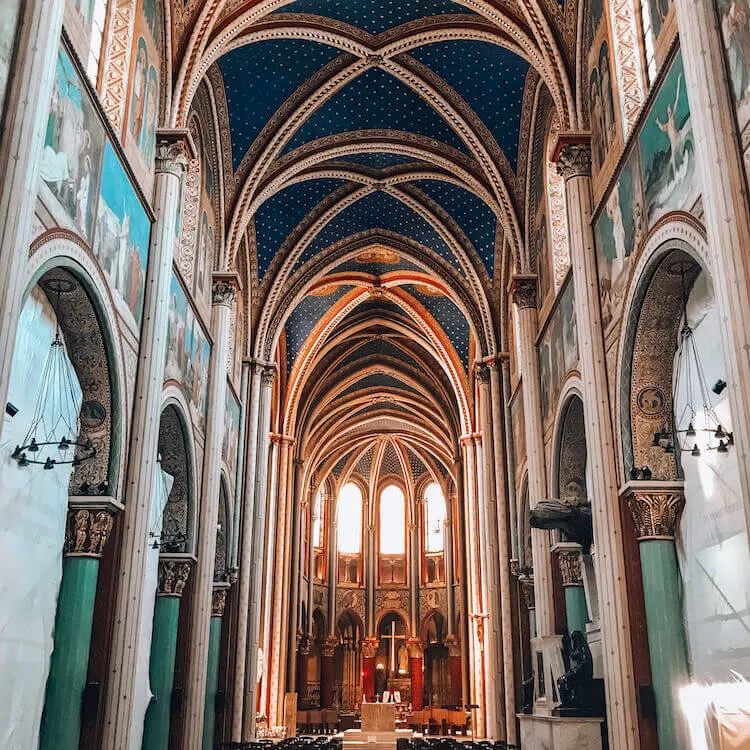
{"x": 223, "y": 533}
{"x": 569, "y": 460}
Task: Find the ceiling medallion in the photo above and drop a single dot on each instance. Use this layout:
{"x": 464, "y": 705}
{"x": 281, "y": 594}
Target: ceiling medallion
{"x": 378, "y": 255}
{"x": 325, "y": 290}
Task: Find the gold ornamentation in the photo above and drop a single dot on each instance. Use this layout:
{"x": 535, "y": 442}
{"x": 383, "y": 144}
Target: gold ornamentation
{"x": 173, "y": 577}
{"x": 453, "y": 644}
{"x": 218, "y": 602}
{"x": 655, "y": 513}
{"x": 415, "y": 648}
{"x": 369, "y": 648}
{"x": 570, "y": 568}
{"x": 87, "y": 531}
{"x": 378, "y": 255}
{"x": 329, "y": 646}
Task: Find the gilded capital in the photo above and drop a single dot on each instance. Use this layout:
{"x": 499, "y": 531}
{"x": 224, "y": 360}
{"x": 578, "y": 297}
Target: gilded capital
{"x": 329, "y": 645}
{"x": 173, "y": 577}
{"x": 570, "y": 568}
{"x": 87, "y": 531}
{"x": 218, "y": 602}
{"x": 655, "y": 511}
{"x": 415, "y": 648}
{"x": 453, "y": 644}
{"x": 369, "y": 648}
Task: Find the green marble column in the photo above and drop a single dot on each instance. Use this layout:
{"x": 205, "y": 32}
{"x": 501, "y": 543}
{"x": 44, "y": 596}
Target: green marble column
{"x": 212, "y": 678}
{"x": 86, "y": 534}
{"x": 576, "y": 609}
{"x": 656, "y": 510}
{"x": 173, "y": 576}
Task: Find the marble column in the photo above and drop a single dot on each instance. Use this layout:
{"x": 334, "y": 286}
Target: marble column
{"x": 371, "y": 572}
{"x": 510, "y": 457}
{"x": 525, "y": 299}
{"x": 86, "y": 533}
{"x": 259, "y": 548}
{"x": 26, "y": 109}
{"x": 576, "y": 611}
{"x": 416, "y": 670}
{"x": 223, "y": 296}
{"x": 173, "y": 577}
{"x": 725, "y": 206}
{"x": 218, "y": 605}
{"x": 413, "y": 580}
{"x": 173, "y": 150}
{"x": 328, "y": 671}
{"x": 656, "y": 508}
{"x": 460, "y": 509}
{"x": 333, "y": 573}
{"x": 234, "y": 560}
{"x": 246, "y": 554}
{"x": 573, "y": 155}
{"x": 369, "y": 656}
{"x": 450, "y": 592}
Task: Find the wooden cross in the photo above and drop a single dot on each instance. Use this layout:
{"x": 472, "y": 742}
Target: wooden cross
{"x": 393, "y": 638}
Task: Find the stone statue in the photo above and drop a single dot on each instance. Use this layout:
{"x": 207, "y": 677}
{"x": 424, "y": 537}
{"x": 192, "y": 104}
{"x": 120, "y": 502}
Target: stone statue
{"x": 580, "y": 694}
{"x": 572, "y": 517}
{"x": 403, "y": 659}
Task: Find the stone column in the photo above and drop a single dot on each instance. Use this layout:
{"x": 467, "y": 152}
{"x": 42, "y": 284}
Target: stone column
{"x": 463, "y": 578}
{"x": 510, "y": 457}
{"x": 725, "y": 206}
{"x": 333, "y": 573}
{"x": 174, "y": 149}
{"x": 413, "y": 558}
{"x": 311, "y": 560}
{"x": 569, "y": 557}
{"x": 243, "y": 587}
{"x": 454, "y": 662}
{"x": 173, "y": 576}
{"x": 239, "y": 477}
{"x": 27, "y": 106}
{"x": 573, "y": 155}
{"x": 303, "y": 663}
{"x": 448, "y": 567}
{"x": 223, "y": 296}
{"x": 656, "y": 508}
{"x": 525, "y": 298}
{"x": 416, "y": 669}
{"x": 328, "y": 671}
{"x": 218, "y": 604}
{"x": 371, "y": 571}
{"x": 259, "y": 531}
{"x": 86, "y": 533}
{"x": 369, "y": 654}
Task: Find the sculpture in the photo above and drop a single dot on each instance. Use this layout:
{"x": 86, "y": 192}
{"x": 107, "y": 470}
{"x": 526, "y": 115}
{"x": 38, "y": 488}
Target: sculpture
{"x": 580, "y": 694}
{"x": 571, "y": 517}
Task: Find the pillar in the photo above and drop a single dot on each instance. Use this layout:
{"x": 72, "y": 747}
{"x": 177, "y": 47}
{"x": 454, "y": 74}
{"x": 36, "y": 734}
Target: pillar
{"x": 528, "y": 593}
{"x": 87, "y": 532}
{"x": 450, "y": 592}
{"x": 369, "y": 654}
{"x": 173, "y": 577}
{"x": 27, "y": 104}
{"x": 726, "y": 209}
{"x": 454, "y": 667}
{"x": 576, "y": 610}
{"x": 573, "y": 155}
{"x": 656, "y": 508}
{"x": 416, "y": 669}
{"x": 413, "y": 578}
{"x": 174, "y": 148}
{"x": 218, "y": 605}
{"x": 328, "y": 671}
{"x": 525, "y": 299}
{"x": 303, "y": 664}
{"x": 223, "y": 297}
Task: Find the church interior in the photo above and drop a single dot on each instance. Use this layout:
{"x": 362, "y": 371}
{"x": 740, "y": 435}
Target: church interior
{"x": 377, "y": 374}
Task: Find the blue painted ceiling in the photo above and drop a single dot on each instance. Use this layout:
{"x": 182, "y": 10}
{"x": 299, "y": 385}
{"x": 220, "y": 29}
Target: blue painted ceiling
{"x": 377, "y": 269}
{"x": 377, "y": 160}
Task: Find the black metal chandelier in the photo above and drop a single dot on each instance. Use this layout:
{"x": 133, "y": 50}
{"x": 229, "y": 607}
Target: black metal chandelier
{"x": 54, "y": 435}
{"x": 691, "y": 380}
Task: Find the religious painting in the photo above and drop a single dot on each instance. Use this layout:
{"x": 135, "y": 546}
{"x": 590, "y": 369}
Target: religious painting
{"x": 122, "y": 237}
{"x": 734, "y": 16}
{"x": 206, "y": 227}
{"x": 518, "y": 426}
{"x": 543, "y": 260}
{"x": 231, "y": 439}
{"x": 557, "y": 351}
{"x": 84, "y": 24}
{"x": 658, "y": 11}
{"x": 619, "y": 229}
{"x": 668, "y": 149}
{"x": 188, "y": 353}
{"x": 145, "y": 94}
{"x": 73, "y": 147}
{"x": 9, "y": 10}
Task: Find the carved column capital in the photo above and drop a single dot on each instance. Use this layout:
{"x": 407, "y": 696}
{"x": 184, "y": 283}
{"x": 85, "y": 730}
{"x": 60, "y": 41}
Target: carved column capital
{"x": 303, "y": 647}
{"x": 369, "y": 648}
{"x": 173, "y": 577}
{"x": 218, "y": 602}
{"x": 87, "y": 531}
{"x": 523, "y": 291}
{"x": 570, "y": 567}
{"x": 415, "y": 648}
{"x": 329, "y": 645}
{"x": 482, "y": 371}
{"x": 655, "y": 508}
{"x": 515, "y": 567}
{"x": 453, "y": 644}
{"x": 224, "y": 289}
{"x": 574, "y": 160}
{"x": 174, "y": 149}
{"x": 527, "y": 592}
{"x": 267, "y": 375}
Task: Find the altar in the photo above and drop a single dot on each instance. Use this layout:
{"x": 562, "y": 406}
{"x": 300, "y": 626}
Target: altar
{"x": 378, "y": 730}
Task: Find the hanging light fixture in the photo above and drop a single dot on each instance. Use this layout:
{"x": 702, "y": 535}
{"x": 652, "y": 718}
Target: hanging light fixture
{"x": 53, "y": 437}
{"x": 691, "y": 380}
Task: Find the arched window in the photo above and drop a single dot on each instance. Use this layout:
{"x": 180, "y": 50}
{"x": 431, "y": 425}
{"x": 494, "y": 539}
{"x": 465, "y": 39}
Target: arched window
{"x": 319, "y": 517}
{"x": 392, "y": 521}
{"x": 349, "y": 519}
{"x": 434, "y": 518}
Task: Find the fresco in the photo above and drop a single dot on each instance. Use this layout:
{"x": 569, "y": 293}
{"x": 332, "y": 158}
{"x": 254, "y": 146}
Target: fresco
{"x": 734, "y": 16}
{"x": 557, "y": 350}
{"x": 206, "y": 225}
{"x": 519, "y": 428}
{"x": 667, "y": 148}
{"x": 231, "y": 440}
{"x": 8, "y": 20}
{"x": 73, "y": 147}
{"x": 143, "y": 115}
{"x": 658, "y": 11}
{"x": 188, "y": 353}
{"x": 602, "y": 107}
{"x": 122, "y": 236}
{"x": 619, "y": 229}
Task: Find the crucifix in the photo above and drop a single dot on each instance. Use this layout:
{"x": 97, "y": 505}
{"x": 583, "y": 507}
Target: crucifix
{"x": 392, "y": 645}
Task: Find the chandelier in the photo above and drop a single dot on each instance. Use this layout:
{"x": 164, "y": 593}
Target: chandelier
{"x": 698, "y": 417}
{"x": 53, "y": 437}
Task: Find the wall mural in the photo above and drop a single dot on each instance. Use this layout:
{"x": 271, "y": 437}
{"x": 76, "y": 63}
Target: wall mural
{"x": 231, "y": 440}
{"x": 8, "y": 21}
{"x": 206, "y": 224}
{"x": 143, "y": 114}
{"x": 188, "y": 353}
{"x": 86, "y": 187}
{"x": 619, "y": 229}
{"x": 667, "y": 148}
{"x": 659, "y": 14}
{"x": 734, "y": 16}
{"x": 557, "y": 350}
